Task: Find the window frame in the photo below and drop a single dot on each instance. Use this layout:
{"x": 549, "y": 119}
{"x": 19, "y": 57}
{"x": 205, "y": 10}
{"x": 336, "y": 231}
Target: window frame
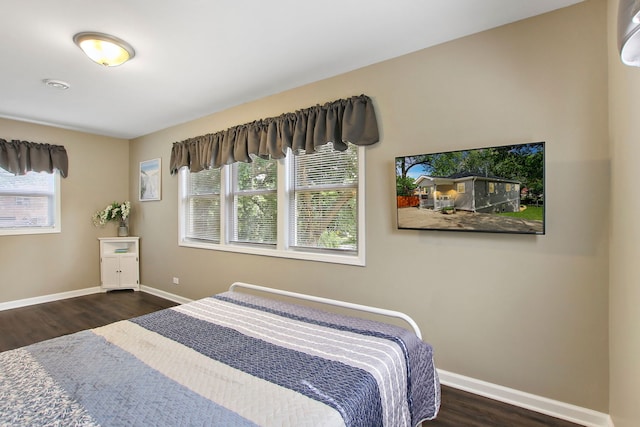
{"x": 57, "y": 213}
{"x": 284, "y": 193}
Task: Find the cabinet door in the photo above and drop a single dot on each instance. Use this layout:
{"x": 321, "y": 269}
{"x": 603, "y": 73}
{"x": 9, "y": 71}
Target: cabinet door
{"x": 109, "y": 271}
{"x": 128, "y": 271}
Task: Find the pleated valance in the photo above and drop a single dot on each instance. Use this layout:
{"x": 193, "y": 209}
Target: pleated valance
{"x": 20, "y": 157}
{"x": 345, "y": 120}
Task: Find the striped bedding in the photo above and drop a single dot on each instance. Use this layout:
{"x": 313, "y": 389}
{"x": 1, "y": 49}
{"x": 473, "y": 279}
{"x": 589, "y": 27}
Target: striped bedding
{"x": 233, "y": 359}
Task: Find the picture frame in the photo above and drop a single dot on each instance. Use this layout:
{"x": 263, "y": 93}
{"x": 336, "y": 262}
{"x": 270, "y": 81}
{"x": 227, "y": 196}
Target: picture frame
{"x": 150, "y": 181}
{"x": 492, "y": 189}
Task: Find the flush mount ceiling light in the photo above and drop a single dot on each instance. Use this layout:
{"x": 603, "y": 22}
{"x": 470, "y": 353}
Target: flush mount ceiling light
{"x": 104, "y": 49}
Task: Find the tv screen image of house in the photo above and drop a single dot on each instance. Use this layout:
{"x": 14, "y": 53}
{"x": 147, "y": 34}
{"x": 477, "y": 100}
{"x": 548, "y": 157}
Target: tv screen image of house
{"x": 493, "y": 189}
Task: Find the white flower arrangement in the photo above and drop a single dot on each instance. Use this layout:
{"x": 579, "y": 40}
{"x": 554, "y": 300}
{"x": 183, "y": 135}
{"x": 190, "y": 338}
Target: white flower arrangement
{"x": 113, "y": 212}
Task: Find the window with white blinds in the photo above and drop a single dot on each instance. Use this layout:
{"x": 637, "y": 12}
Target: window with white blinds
{"x": 29, "y": 204}
{"x": 307, "y": 206}
{"x": 325, "y": 188}
{"x": 254, "y": 202}
{"x": 201, "y": 206}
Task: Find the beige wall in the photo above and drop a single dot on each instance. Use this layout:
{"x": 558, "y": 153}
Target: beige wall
{"x": 624, "y": 104}
{"x": 44, "y": 264}
{"x": 525, "y": 312}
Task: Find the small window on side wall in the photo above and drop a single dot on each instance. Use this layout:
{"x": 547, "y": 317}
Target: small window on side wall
{"x": 30, "y": 203}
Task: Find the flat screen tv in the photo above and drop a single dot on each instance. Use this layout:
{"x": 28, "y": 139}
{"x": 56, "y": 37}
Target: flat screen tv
{"x": 493, "y": 189}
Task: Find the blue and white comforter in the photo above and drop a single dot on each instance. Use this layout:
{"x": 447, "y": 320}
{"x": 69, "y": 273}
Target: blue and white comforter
{"x": 229, "y": 360}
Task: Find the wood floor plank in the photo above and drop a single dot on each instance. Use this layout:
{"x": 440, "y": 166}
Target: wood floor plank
{"x": 27, "y": 325}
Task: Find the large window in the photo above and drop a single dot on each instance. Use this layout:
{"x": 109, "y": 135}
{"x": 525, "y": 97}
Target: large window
{"x": 308, "y": 206}
{"x": 29, "y": 204}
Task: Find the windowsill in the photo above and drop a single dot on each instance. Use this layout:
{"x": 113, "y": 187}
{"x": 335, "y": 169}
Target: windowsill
{"x": 357, "y": 260}
{"x": 24, "y": 231}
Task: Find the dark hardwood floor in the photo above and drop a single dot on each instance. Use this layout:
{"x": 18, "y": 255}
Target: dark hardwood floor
{"x": 459, "y": 408}
{"x": 27, "y": 325}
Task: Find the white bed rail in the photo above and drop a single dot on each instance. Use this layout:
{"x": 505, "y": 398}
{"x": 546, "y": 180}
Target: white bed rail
{"x": 337, "y": 303}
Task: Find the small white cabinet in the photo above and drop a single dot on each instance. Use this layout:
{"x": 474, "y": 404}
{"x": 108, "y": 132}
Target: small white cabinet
{"x": 119, "y": 263}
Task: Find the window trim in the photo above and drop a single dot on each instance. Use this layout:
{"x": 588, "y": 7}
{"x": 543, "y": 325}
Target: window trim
{"x": 57, "y": 226}
{"x": 282, "y": 248}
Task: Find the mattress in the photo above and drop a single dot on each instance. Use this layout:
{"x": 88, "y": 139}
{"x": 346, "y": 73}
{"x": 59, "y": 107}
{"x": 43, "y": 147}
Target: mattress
{"x": 233, "y": 359}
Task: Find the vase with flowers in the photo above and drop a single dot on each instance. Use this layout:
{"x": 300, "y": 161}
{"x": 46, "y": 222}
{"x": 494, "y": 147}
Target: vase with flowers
{"x": 117, "y": 212}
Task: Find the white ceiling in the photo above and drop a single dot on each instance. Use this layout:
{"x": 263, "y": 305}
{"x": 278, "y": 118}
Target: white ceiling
{"x": 196, "y": 57}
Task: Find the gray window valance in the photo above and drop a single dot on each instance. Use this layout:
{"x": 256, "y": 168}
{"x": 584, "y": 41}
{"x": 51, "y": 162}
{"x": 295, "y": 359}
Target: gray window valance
{"x": 20, "y": 157}
{"x": 345, "y": 120}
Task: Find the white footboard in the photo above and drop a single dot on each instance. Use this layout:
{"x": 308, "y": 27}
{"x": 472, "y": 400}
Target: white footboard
{"x": 337, "y": 303}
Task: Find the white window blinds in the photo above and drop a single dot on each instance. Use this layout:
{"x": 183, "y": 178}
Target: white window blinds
{"x": 325, "y": 202}
{"x": 202, "y": 208}
{"x": 29, "y": 202}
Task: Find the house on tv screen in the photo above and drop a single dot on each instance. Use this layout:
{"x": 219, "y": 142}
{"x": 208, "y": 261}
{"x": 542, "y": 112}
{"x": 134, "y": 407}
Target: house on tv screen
{"x": 469, "y": 192}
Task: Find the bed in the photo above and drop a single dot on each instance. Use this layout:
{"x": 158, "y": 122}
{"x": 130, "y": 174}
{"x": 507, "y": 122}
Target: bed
{"x": 234, "y": 359}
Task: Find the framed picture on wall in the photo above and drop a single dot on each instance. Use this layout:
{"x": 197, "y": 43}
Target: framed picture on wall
{"x": 150, "y": 180}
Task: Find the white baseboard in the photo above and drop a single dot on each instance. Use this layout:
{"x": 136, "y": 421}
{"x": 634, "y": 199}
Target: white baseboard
{"x": 48, "y": 298}
{"x": 554, "y": 408}
{"x": 165, "y": 295}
